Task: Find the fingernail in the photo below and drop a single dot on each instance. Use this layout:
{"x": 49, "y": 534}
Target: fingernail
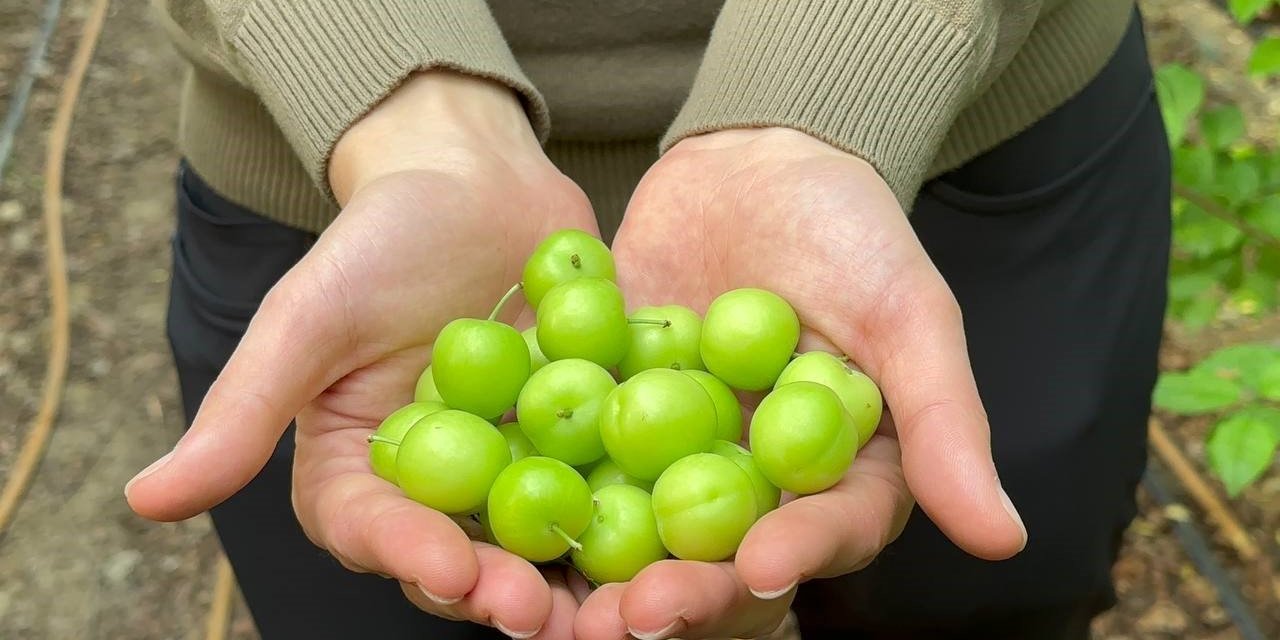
{"x": 1013, "y": 513}
{"x": 437, "y": 599}
{"x": 518, "y": 635}
{"x": 661, "y": 634}
{"x": 151, "y": 468}
{"x": 773, "y": 595}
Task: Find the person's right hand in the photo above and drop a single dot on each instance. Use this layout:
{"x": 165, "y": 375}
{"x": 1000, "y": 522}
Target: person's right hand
{"x": 445, "y": 192}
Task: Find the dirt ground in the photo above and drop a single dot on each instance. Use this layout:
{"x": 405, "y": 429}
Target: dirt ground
{"x": 76, "y": 563}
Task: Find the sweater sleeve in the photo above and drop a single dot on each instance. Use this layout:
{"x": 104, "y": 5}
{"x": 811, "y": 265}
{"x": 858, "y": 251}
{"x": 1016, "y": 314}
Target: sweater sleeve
{"x": 881, "y": 79}
{"x": 320, "y": 66}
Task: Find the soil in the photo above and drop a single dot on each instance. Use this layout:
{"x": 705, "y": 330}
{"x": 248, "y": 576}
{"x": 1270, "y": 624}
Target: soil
{"x": 76, "y": 563}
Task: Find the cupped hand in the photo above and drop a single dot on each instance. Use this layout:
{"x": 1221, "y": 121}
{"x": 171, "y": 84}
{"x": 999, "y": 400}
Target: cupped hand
{"x": 445, "y": 192}
{"x": 780, "y": 210}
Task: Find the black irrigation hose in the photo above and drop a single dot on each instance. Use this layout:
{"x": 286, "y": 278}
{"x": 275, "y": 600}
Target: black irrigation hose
{"x": 22, "y": 90}
{"x": 1197, "y": 548}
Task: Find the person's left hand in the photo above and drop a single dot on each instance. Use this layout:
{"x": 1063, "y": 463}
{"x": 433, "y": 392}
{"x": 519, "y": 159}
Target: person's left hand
{"x": 780, "y": 210}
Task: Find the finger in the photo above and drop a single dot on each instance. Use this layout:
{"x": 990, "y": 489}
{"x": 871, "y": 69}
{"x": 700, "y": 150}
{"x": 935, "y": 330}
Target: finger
{"x": 598, "y": 617}
{"x": 690, "y": 600}
{"x": 369, "y": 525}
{"x": 564, "y": 607}
{"x": 510, "y": 596}
{"x": 831, "y": 533}
{"x": 287, "y": 357}
{"x": 924, "y": 371}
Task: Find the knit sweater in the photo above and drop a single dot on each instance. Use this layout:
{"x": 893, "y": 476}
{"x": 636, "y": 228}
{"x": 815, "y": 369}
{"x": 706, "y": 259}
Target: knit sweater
{"x": 914, "y": 87}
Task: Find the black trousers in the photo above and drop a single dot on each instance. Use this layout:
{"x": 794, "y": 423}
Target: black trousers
{"x": 1056, "y": 245}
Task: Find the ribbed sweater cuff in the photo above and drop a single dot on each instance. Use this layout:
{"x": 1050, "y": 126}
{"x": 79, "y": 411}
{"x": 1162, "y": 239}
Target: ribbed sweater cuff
{"x": 320, "y": 66}
{"x": 881, "y": 79}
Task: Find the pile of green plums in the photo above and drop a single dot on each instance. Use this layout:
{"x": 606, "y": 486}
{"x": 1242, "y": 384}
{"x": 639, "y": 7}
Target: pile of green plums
{"x": 617, "y": 437}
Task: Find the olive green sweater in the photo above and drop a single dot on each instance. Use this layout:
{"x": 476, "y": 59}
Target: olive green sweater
{"x": 915, "y": 87}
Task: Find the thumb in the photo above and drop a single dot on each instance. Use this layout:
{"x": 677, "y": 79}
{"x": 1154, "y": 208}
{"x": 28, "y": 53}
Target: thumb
{"x": 920, "y": 357}
{"x": 289, "y": 354}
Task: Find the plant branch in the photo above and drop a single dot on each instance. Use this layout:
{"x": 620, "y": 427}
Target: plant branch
{"x": 1222, "y": 213}
{"x": 1200, "y": 491}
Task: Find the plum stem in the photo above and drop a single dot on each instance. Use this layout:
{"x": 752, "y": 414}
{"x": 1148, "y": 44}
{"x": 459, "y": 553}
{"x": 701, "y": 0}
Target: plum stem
{"x": 663, "y": 323}
{"x": 576, "y": 261}
{"x": 564, "y": 414}
{"x": 383, "y": 439}
{"x": 567, "y": 538}
{"x": 505, "y": 297}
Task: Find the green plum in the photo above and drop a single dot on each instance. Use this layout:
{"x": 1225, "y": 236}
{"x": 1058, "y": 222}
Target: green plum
{"x": 663, "y": 337}
{"x": 537, "y": 508}
{"x": 748, "y": 337}
{"x": 859, "y": 394}
{"x": 425, "y": 390}
{"x": 536, "y": 357}
{"x": 802, "y": 438}
{"x": 480, "y": 366}
{"x": 384, "y": 442}
{"x": 449, "y": 460}
{"x": 654, "y": 419}
{"x": 704, "y": 505}
{"x": 517, "y": 442}
{"x": 728, "y": 408}
{"x": 559, "y": 410}
{"x": 622, "y": 538}
{"x": 607, "y": 472}
{"x": 767, "y": 496}
{"x": 562, "y": 256}
{"x": 584, "y": 318}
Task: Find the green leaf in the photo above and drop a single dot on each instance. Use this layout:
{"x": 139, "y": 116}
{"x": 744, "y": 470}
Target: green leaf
{"x": 1189, "y": 285}
{"x": 1241, "y": 447}
{"x": 1269, "y": 164}
{"x": 1256, "y": 293}
{"x": 1198, "y": 313}
{"x": 1243, "y": 362}
{"x": 1222, "y": 126}
{"x": 1238, "y": 182}
{"x": 1180, "y": 92}
{"x": 1202, "y": 235}
{"x": 1246, "y": 10}
{"x": 1194, "y": 392}
{"x": 1265, "y": 59}
{"x": 1269, "y": 382}
{"x": 1265, "y": 214}
{"x": 1193, "y": 166}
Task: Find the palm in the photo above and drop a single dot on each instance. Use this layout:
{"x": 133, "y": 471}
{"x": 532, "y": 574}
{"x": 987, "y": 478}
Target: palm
{"x": 340, "y": 342}
{"x": 778, "y": 210}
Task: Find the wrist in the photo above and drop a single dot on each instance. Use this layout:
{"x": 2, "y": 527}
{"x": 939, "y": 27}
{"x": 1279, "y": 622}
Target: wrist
{"x": 431, "y": 120}
{"x": 782, "y": 144}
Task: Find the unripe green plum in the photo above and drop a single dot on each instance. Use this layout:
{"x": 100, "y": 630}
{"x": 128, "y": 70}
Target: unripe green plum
{"x": 449, "y": 459}
{"x": 480, "y": 366}
{"x": 537, "y": 507}
{"x": 767, "y": 495}
{"x": 728, "y": 408}
{"x": 859, "y": 394}
{"x": 704, "y": 505}
{"x": 607, "y": 472}
{"x": 382, "y": 452}
{"x": 622, "y": 538}
{"x": 802, "y": 438}
{"x": 559, "y": 410}
{"x": 517, "y": 442}
{"x": 664, "y": 337}
{"x": 564, "y": 255}
{"x": 583, "y": 318}
{"x": 655, "y": 418}
{"x": 425, "y": 390}
{"x": 748, "y": 337}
